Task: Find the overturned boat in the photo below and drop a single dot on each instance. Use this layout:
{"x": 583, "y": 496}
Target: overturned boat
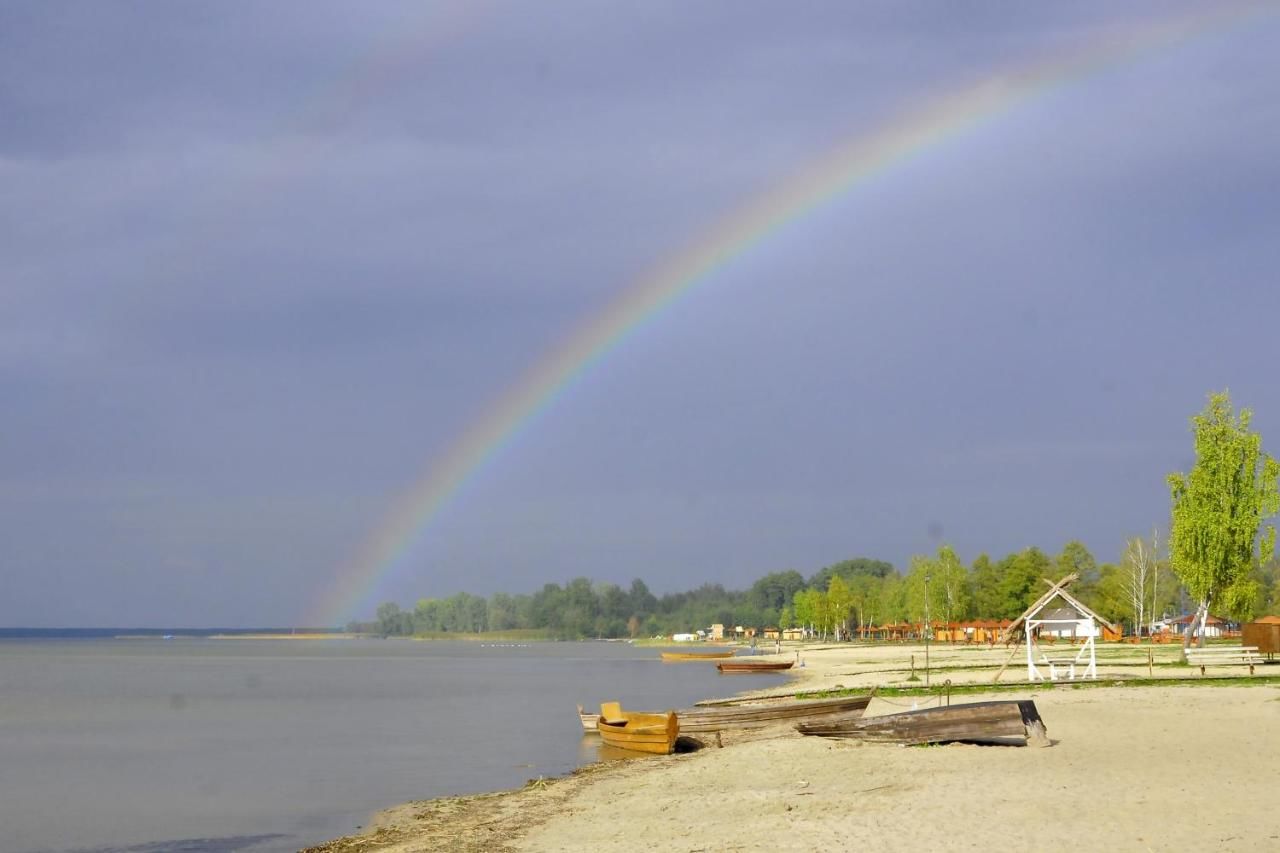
{"x": 1014, "y": 722}
{"x": 740, "y": 667}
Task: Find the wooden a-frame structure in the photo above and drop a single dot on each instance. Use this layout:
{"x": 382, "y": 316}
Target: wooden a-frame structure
{"x": 1025, "y": 628}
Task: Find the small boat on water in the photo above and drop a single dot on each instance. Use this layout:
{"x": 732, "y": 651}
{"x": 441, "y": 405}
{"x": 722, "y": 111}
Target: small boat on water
{"x": 637, "y": 731}
{"x": 737, "y": 667}
{"x": 1014, "y": 722}
{"x": 703, "y": 720}
{"x": 588, "y": 720}
{"x": 676, "y": 657}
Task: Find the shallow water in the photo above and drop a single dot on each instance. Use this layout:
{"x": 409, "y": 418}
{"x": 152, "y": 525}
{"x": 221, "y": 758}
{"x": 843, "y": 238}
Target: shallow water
{"x": 265, "y": 745}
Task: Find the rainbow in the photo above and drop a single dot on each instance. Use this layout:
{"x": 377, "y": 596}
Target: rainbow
{"x": 842, "y": 170}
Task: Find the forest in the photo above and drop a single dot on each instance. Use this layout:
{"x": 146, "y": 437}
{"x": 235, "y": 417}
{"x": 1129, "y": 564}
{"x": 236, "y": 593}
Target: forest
{"x": 1135, "y": 590}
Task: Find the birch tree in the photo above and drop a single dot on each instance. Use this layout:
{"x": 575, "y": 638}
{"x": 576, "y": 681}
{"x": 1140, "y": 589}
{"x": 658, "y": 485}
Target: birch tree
{"x": 839, "y": 603}
{"x": 953, "y": 583}
{"x": 1139, "y": 572}
{"x": 1217, "y": 537}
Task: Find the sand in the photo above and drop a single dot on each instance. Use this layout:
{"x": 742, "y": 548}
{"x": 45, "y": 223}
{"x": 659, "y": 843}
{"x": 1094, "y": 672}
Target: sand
{"x": 1129, "y": 768}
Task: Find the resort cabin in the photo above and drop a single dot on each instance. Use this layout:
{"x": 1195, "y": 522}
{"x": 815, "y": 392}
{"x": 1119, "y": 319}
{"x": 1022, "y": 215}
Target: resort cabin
{"x": 717, "y": 631}
{"x": 986, "y": 630}
{"x": 772, "y": 634}
{"x": 949, "y": 632}
{"x": 684, "y": 638}
{"x": 793, "y": 633}
{"x": 1214, "y": 626}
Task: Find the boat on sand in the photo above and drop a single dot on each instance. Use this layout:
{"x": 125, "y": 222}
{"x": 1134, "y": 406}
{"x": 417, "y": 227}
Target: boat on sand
{"x": 638, "y": 731}
{"x": 695, "y": 720}
{"x": 742, "y": 716}
{"x": 1013, "y": 722}
{"x": 739, "y": 667}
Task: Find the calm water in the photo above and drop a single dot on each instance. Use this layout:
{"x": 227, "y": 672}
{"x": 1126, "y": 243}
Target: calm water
{"x": 260, "y": 745}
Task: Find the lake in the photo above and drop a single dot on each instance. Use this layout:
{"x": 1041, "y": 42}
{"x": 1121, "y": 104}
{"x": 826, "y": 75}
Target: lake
{"x": 214, "y": 746}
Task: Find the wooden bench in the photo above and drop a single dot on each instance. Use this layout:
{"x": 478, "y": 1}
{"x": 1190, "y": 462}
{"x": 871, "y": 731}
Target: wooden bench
{"x": 1224, "y": 656}
{"x": 1060, "y": 666}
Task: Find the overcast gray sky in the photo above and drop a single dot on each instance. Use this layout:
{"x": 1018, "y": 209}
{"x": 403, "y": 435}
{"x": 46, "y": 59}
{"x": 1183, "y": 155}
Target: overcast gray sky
{"x": 262, "y": 264}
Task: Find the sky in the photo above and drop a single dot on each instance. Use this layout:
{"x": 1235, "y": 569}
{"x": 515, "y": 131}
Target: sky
{"x": 264, "y": 266}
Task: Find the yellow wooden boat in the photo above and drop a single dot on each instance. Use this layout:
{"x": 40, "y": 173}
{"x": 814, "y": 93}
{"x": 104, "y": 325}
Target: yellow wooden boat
{"x": 675, "y": 657}
{"x": 637, "y": 732}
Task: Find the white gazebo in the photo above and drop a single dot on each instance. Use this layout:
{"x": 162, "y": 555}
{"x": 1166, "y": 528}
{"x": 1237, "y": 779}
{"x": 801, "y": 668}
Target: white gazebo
{"x": 1070, "y": 619}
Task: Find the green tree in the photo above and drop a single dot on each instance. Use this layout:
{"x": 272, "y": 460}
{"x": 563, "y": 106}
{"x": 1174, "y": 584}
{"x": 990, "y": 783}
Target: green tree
{"x": 984, "y": 584}
{"x": 953, "y": 583}
{"x": 771, "y": 592}
{"x": 1075, "y": 557}
{"x": 811, "y": 610}
{"x": 839, "y": 604}
{"x": 920, "y": 588}
{"x": 640, "y": 601}
{"x": 864, "y": 591}
{"x": 891, "y": 602}
{"x": 849, "y": 569}
{"x": 502, "y": 612}
{"x": 392, "y": 621}
{"x": 1019, "y": 583}
{"x": 1217, "y": 538}
{"x": 1111, "y": 595}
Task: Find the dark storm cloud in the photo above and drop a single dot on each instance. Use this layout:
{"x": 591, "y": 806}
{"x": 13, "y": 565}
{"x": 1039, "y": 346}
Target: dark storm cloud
{"x": 263, "y": 265}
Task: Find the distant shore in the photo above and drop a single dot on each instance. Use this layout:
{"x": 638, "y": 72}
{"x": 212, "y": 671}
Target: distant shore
{"x": 286, "y": 635}
{"x": 1130, "y": 768}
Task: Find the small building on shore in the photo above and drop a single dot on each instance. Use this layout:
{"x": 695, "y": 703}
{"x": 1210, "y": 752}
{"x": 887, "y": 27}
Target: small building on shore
{"x": 1214, "y": 626}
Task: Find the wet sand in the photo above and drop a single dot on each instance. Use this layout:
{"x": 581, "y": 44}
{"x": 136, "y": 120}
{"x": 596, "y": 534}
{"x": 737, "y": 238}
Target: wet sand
{"x": 1129, "y": 768}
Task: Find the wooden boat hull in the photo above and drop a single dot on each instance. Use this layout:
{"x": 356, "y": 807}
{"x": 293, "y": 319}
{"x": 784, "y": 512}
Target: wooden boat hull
{"x": 638, "y": 732}
{"x": 737, "y": 668}
{"x": 680, "y": 657}
{"x": 589, "y": 721}
{"x": 697, "y": 720}
{"x": 702, "y": 720}
{"x": 1012, "y": 722}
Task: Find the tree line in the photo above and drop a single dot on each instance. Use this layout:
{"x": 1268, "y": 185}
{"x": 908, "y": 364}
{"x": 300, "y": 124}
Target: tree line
{"x": 840, "y": 598}
{"x": 1220, "y": 554}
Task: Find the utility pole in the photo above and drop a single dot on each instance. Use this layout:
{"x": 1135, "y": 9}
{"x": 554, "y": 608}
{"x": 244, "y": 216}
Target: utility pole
{"x": 926, "y": 630}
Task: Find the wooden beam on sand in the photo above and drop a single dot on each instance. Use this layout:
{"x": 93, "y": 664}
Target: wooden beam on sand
{"x": 1008, "y": 659}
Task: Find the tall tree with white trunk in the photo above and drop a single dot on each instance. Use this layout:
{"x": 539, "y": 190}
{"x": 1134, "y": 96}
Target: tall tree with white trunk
{"x": 1217, "y": 536}
{"x": 1140, "y": 570}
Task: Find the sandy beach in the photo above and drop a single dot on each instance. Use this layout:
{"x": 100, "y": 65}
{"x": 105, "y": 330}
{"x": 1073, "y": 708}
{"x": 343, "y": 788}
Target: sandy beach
{"x": 1175, "y": 767}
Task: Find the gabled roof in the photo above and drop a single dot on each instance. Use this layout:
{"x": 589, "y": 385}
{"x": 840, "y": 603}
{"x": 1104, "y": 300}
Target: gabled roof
{"x": 1057, "y": 590}
{"x": 1059, "y": 614}
{"x": 1209, "y": 620}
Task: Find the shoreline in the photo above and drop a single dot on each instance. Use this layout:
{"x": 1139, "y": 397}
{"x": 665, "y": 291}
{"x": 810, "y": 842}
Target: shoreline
{"x": 776, "y": 790}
